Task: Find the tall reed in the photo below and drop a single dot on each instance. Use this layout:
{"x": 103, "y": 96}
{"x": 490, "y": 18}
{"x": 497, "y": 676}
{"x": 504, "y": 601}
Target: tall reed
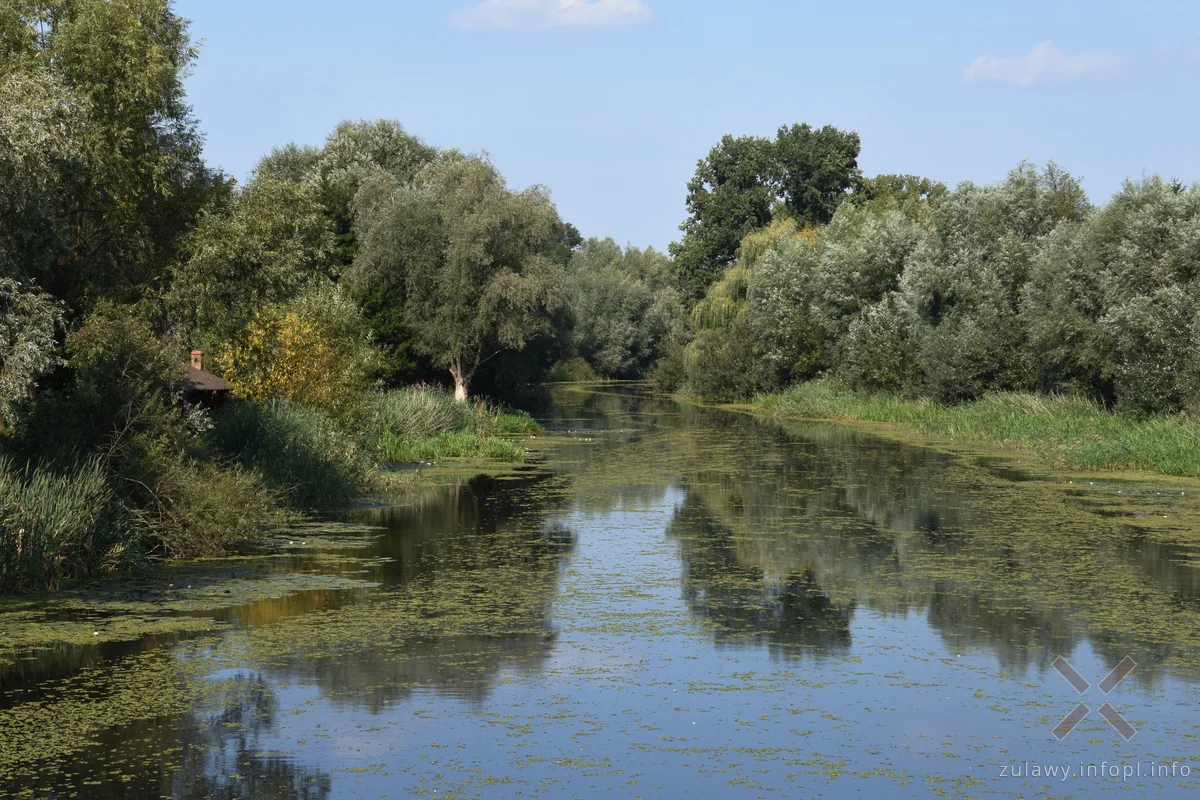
{"x": 58, "y": 526}
{"x": 305, "y": 456}
{"x": 422, "y": 423}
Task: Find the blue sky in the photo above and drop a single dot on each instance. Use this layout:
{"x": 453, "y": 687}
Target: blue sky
{"x": 610, "y": 103}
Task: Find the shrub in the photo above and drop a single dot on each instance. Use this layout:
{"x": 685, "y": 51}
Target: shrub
{"x": 670, "y": 373}
{"x": 723, "y": 364}
{"x": 966, "y": 280}
{"x": 512, "y": 423}
{"x": 205, "y": 509}
{"x": 312, "y": 351}
{"x": 575, "y": 370}
{"x": 878, "y": 351}
{"x": 305, "y": 456}
{"x": 423, "y": 423}
{"x": 59, "y": 526}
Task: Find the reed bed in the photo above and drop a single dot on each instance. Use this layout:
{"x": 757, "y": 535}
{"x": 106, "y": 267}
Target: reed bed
{"x": 57, "y": 526}
{"x": 426, "y": 424}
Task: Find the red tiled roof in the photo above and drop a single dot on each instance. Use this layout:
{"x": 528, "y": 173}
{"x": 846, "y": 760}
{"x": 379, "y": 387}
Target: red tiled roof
{"x": 200, "y": 381}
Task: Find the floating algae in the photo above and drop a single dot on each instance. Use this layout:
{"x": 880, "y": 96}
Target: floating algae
{"x": 678, "y": 600}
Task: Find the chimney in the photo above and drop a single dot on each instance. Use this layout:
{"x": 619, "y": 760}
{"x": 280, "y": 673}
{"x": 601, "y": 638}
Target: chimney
{"x": 197, "y": 359}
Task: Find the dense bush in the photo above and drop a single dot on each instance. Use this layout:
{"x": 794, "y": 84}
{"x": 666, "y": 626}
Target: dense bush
{"x": 965, "y": 282}
{"x": 305, "y": 456}
{"x": 314, "y": 350}
{"x": 572, "y": 370}
{"x": 1021, "y": 286}
{"x": 626, "y": 307}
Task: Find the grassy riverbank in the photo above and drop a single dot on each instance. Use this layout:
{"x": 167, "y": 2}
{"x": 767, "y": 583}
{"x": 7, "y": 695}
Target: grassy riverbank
{"x": 254, "y": 468}
{"x": 1065, "y": 431}
{"x": 421, "y": 424}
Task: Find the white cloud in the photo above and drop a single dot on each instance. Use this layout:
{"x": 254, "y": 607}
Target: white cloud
{"x": 546, "y": 14}
{"x": 1044, "y": 63}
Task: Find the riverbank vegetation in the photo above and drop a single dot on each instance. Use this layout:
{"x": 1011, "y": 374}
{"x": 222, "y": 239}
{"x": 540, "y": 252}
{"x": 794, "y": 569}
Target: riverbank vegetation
{"x": 377, "y": 298}
{"x": 1067, "y": 431}
{"x": 333, "y": 279}
{"x": 424, "y": 424}
{"x": 1017, "y": 312}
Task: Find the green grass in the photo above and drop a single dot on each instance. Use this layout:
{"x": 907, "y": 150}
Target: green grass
{"x": 513, "y": 423}
{"x": 451, "y": 444}
{"x": 426, "y": 424}
{"x": 1066, "y": 431}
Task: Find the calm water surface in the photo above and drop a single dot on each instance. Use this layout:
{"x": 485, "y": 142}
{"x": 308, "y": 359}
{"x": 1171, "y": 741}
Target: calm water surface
{"x": 682, "y": 602}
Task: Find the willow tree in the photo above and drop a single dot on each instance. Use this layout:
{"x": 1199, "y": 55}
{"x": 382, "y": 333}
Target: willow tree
{"x": 472, "y": 257}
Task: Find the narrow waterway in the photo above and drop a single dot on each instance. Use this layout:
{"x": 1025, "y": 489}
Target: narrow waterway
{"x": 678, "y": 602}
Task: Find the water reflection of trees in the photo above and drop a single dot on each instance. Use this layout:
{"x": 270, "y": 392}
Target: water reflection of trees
{"x": 228, "y": 760}
{"x": 875, "y": 523}
{"x": 217, "y": 749}
{"x": 468, "y": 594}
{"x": 790, "y": 613}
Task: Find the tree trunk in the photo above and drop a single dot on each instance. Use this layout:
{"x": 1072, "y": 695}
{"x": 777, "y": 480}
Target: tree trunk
{"x": 462, "y": 380}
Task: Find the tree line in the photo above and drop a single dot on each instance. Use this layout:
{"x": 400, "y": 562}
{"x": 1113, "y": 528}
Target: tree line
{"x": 898, "y": 284}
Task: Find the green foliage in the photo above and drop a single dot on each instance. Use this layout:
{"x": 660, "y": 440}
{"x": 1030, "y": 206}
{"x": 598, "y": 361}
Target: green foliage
{"x": 312, "y": 351}
{"x": 728, "y": 356}
{"x": 204, "y": 508}
{"x": 124, "y": 405}
{"x": 911, "y": 194}
{"x": 451, "y": 444}
{"x": 878, "y": 351}
{"x": 59, "y": 526}
{"x": 731, "y": 195}
{"x": 353, "y": 153}
{"x": 29, "y": 322}
{"x": 304, "y": 456}
{"x": 398, "y": 360}
{"x": 724, "y": 364}
{"x": 744, "y": 183}
{"x": 124, "y": 385}
{"x": 1017, "y": 286}
{"x": 573, "y": 370}
{"x": 815, "y": 169}
{"x": 671, "y": 372}
{"x": 966, "y": 282}
{"x": 272, "y": 243}
{"x": 625, "y": 307}
{"x": 471, "y": 256}
{"x": 421, "y": 424}
{"x": 422, "y": 413}
{"x": 39, "y": 140}
{"x": 1146, "y": 246}
{"x": 567, "y": 240}
{"x": 1061, "y": 308}
{"x": 122, "y": 177}
{"x": 513, "y": 422}
{"x": 1065, "y": 430}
